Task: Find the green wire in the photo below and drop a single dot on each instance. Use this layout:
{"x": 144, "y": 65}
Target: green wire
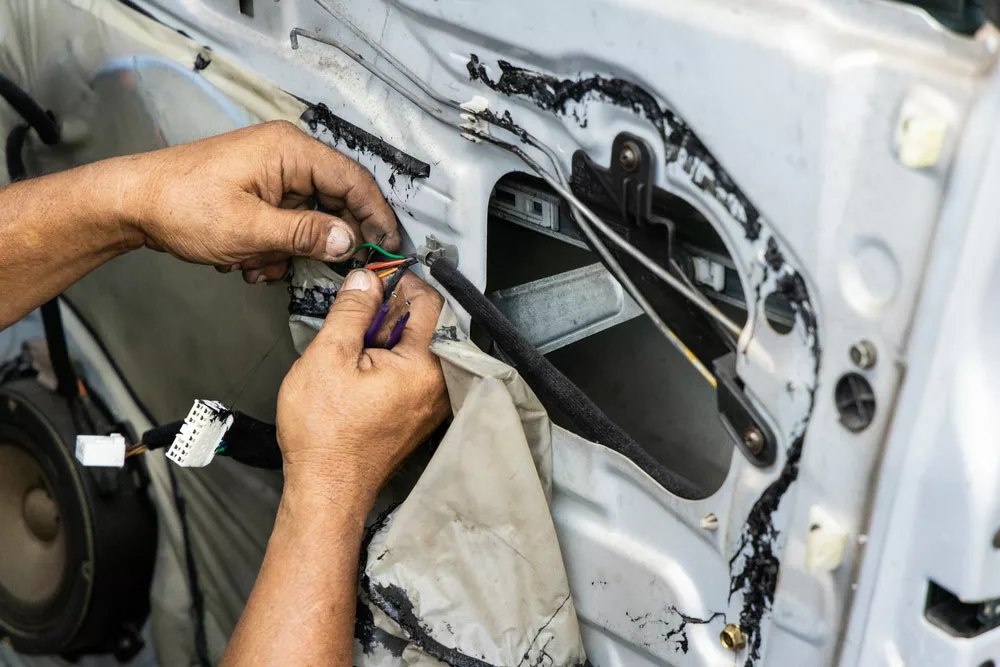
{"x": 375, "y": 246}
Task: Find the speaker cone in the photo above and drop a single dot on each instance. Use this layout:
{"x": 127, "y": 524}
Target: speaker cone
{"x": 77, "y": 545}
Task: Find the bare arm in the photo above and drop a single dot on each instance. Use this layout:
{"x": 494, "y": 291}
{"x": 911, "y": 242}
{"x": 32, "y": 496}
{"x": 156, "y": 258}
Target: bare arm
{"x": 301, "y": 610}
{"x": 55, "y": 230}
{"x": 347, "y": 416}
{"x": 242, "y": 200}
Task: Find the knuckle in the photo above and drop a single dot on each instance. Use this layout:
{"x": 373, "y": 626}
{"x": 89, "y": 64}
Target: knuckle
{"x": 351, "y": 303}
{"x": 281, "y": 128}
{"x": 304, "y": 234}
{"x": 330, "y": 347}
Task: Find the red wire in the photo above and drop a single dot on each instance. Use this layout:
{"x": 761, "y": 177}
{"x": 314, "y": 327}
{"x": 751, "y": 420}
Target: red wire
{"x": 384, "y": 265}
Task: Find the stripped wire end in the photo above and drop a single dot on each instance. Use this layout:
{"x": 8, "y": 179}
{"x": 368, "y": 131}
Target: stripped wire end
{"x": 135, "y": 450}
{"x": 200, "y": 438}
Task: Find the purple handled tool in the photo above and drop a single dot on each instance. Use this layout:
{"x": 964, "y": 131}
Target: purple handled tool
{"x": 376, "y": 324}
{"x": 397, "y": 331}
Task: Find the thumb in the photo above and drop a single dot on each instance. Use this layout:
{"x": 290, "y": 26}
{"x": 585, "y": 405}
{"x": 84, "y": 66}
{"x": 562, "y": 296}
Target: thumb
{"x": 301, "y": 233}
{"x": 353, "y": 311}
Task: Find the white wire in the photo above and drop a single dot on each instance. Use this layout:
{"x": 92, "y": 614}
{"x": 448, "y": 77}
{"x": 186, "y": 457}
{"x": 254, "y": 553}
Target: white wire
{"x": 693, "y": 295}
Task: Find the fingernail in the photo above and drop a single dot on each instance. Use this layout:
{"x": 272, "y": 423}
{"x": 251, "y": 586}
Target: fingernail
{"x": 358, "y": 280}
{"x": 233, "y": 267}
{"x": 259, "y": 279}
{"x": 338, "y": 242}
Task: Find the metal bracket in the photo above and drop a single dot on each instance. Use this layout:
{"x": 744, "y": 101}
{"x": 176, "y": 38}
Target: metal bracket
{"x": 740, "y": 418}
{"x": 559, "y": 310}
{"x": 433, "y": 250}
{"x": 626, "y": 186}
{"x": 624, "y": 192}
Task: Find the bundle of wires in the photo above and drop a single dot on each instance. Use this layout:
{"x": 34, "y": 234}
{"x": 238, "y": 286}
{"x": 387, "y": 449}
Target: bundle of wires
{"x": 394, "y": 267}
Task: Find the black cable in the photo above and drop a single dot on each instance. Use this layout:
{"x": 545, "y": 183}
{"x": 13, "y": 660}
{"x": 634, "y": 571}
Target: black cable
{"x": 249, "y": 441}
{"x": 551, "y": 384}
{"x": 33, "y": 114}
{"x": 13, "y": 151}
{"x": 55, "y": 336}
{"x": 394, "y": 279}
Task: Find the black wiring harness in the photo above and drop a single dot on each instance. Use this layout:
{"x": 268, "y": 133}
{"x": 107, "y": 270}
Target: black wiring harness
{"x": 550, "y": 383}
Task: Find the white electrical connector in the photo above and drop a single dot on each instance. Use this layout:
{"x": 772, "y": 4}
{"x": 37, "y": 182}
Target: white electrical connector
{"x": 101, "y": 451}
{"x": 201, "y": 435}
{"x": 707, "y": 272}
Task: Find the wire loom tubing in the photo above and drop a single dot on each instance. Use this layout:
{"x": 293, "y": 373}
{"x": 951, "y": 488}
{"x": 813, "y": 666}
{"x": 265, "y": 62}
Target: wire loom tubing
{"x": 33, "y": 114}
{"x": 551, "y": 384}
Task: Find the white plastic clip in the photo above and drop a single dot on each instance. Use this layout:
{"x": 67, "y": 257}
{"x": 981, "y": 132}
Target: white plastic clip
{"x": 201, "y": 434}
{"x": 473, "y": 123}
{"x": 101, "y": 451}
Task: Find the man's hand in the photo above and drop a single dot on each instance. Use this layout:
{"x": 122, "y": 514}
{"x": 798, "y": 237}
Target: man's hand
{"x": 245, "y": 200}
{"x": 347, "y": 416}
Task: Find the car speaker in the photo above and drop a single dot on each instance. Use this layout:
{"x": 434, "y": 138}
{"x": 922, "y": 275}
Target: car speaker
{"x": 77, "y": 544}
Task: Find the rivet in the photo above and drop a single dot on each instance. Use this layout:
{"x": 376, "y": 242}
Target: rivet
{"x": 628, "y": 158}
{"x": 753, "y": 439}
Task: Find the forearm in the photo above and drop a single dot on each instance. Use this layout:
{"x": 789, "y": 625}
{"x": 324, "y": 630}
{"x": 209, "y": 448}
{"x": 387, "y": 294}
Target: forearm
{"x": 301, "y": 610}
{"x": 55, "y": 229}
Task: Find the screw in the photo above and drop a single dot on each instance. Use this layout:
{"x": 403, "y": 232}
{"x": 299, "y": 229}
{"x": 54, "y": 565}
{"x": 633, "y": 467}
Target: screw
{"x": 710, "y": 522}
{"x": 753, "y": 439}
{"x": 628, "y": 158}
{"x": 733, "y": 638}
{"x": 863, "y": 354}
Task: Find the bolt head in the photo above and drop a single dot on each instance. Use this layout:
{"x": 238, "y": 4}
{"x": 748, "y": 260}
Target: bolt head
{"x": 628, "y": 157}
{"x": 710, "y": 522}
{"x": 753, "y": 439}
{"x": 733, "y": 638}
{"x": 863, "y": 354}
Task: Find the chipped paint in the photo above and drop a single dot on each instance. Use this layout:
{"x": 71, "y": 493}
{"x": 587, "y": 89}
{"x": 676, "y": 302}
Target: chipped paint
{"x": 754, "y": 566}
{"x": 674, "y": 626}
{"x": 321, "y": 120}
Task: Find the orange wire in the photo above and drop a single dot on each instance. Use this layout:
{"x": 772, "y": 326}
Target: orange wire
{"x": 384, "y": 265}
{"x": 388, "y": 273}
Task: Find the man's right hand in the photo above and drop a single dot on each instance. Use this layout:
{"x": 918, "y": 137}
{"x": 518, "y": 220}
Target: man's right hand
{"x": 348, "y": 416}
